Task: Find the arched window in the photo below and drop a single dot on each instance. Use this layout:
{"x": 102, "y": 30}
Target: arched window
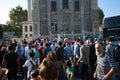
{"x": 26, "y": 36}
{"x": 30, "y": 28}
{"x": 53, "y": 6}
{"x": 30, "y": 35}
{"x": 26, "y": 29}
{"x": 76, "y": 5}
{"x": 65, "y": 4}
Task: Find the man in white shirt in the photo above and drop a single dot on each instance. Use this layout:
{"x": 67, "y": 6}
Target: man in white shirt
{"x": 53, "y": 46}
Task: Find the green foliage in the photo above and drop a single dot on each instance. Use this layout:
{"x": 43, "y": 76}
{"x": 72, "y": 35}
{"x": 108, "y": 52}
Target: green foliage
{"x": 1, "y": 32}
{"x": 101, "y": 16}
{"x": 9, "y": 28}
{"x": 17, "y": 16}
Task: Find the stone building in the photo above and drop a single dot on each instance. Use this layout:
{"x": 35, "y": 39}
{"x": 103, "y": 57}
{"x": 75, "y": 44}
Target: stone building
{"x": 76, "y": 17}
{"x": 27, "y": 26}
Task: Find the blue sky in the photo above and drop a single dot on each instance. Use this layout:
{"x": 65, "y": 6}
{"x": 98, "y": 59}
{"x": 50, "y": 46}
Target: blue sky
{"x": 110, "y": 7}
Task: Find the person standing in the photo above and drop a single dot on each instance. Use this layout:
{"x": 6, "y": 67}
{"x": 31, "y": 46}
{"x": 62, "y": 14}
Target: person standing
{"x": 40, "y": 49}
{"x": 116, "y": 57}
{"x": 29, "y": 62}
{"x": 76, "y": 51}
{"x": 109, "y": 46}
{"x": 12, "y": 63}
{"x": 93, "y": 57}
{"x": 37, "y": 54}
{"x": 27, "y": 50}
{"x": 106, "y": 66}
{"x": 68, "y": 51}
{"x": 84, "y": 60}
{"x": 53, "y": 45}
{"x": 116, "y": 53}
{"x": 60, "y": 52}
{"x": 46, "y": 50}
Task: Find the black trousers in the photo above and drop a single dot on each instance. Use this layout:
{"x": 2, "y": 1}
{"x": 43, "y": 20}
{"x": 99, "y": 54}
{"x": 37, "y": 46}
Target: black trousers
{"x": 84, "y": 71}
{"x": 12, "y": 74}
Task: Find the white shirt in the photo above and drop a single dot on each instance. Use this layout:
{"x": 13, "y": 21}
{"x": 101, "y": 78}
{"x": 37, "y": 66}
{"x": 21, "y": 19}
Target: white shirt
{"x": 29, "y": 65}
{"x": 75, "y": 50}
{"x": 53, "y": 47}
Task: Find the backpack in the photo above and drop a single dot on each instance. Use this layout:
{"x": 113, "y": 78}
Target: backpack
{"x": 116, "y": 53}
{"x": 34, "y": 66}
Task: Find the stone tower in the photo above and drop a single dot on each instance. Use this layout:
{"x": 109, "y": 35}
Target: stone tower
{"x": 30, "y": 10}
{"x": 76, "y": 17}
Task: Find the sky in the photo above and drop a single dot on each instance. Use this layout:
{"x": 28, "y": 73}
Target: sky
{"x": 7, "y": 5}
{"x": 109, "y": 7}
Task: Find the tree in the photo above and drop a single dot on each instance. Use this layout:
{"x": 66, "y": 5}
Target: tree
{"x": 101, "y": 16}
{"x": 17, "y": 16}
{"x": 1, "y": 32}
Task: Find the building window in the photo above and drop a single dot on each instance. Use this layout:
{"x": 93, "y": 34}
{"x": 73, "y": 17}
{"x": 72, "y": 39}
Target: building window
{"x": 26, "y": 35}
{"x": 53, "y": 6}
{"x": 26, "y": 29}
{"x": 76, "y": 5}
{"x": 31, "y": 28}
{"x": 77, "y": 29}
{"x": 65, "y": 4}
{"x": 30, "y": 35}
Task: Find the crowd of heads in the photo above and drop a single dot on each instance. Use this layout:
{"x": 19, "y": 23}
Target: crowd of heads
{"x": 48, "y": 68}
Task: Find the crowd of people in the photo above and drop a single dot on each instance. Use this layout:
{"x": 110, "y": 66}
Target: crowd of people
{"x": 40, "y": 59}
